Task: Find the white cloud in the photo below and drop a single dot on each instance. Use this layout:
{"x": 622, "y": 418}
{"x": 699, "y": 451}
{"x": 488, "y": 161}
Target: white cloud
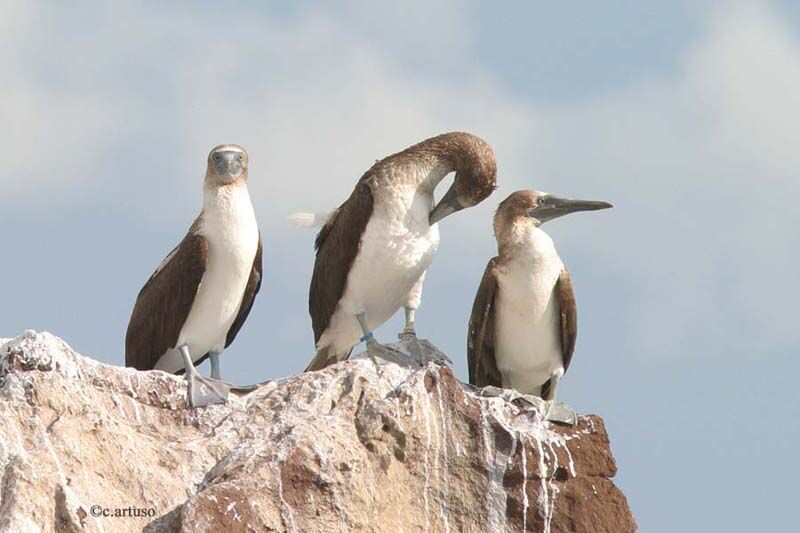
{"x": 702, "y": 164}
{"x": 704, "y": 168}
{"x": 316, "y": 96}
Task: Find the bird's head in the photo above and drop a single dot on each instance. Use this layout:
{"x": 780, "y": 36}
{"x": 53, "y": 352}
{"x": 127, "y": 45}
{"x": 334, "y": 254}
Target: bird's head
{"x": 227, "y": 164}
{"x": 475, "y": 180}
{"x": 537, "y": 207}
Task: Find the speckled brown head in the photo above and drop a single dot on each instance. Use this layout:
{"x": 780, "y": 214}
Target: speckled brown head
{"x": 476, "y": 174}
{"x": 227, "y": 165}
{"x": 535, "y": 207}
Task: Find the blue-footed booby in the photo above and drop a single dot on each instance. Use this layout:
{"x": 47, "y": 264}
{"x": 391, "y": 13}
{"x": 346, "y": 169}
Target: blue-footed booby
{"x": 373, "y": 251}
{"x": 524, "y": 319}
{"x": 198, "y": 298}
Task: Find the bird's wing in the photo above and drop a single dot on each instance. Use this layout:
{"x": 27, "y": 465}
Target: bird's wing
{"x": 165, "y": 301}
{"x": 337, "y": 244}
{"x": 250, "y": 291}
{"x": 569, "y": 322}
{"x": 569, "y": 316}
{"x": 480, "y": 342}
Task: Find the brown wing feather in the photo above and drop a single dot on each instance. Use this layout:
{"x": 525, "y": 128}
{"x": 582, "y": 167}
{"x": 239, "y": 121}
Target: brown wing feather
{"x": 250, "y": 291}
{"x": 338, "y": 241}
{"x": 480, "y": 341}
{"x": 164, "y": 302}
{"x": 337, "y": 244}
{"x": 569, "y": 322}
{"x": 325, "y": 229}
{"x": 569, "y": 316}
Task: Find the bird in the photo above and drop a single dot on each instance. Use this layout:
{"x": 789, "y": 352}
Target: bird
{"x": 197, "y": 300}
{"x": 524, "y": 322}
{"x": 372, "y": 252}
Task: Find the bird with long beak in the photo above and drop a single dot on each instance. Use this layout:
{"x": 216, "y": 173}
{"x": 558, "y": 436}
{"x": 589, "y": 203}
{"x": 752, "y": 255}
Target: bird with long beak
{"x": 374, "y": 250}
{"x": 524, "y": 319}
{"x": 197, "y": 300}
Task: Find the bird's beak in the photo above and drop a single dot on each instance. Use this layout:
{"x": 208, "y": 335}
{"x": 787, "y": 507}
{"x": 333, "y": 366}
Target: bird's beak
{"x": 229, "y": 167}
{"x": 233, "y": 172}
{"x": 448, "y": 205}
{"x": 551, "y": 207}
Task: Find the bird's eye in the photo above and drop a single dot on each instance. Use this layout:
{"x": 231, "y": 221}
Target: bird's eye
{"x": 241, "y": 157}
{"x": 216, "y": 157}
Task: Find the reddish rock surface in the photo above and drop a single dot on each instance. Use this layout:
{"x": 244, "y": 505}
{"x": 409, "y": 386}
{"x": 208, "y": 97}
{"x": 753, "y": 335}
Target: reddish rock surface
{"x": 344, "y": 449}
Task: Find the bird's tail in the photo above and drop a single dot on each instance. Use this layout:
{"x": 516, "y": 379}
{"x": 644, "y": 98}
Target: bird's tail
{"x": 310, "y": 220}
{"x": 326, "y": 357}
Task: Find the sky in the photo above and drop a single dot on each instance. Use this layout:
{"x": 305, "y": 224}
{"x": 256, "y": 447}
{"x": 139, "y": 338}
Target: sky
{"x": 682, "y": 114}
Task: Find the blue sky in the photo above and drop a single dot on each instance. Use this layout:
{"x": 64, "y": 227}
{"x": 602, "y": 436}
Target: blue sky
{"x": 682, "y": 114}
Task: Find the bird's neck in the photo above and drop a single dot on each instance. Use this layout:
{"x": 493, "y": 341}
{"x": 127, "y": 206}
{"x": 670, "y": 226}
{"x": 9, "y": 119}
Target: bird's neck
{"x": 525, "y": 242}
{"x": 226, "y": 198}
{"x": 410, "y": 179}
{"x": 432, "y": 173}
{"x": 433, "y": 159}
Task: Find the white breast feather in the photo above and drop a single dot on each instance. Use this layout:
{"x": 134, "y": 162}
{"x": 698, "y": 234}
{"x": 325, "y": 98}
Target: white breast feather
{"x": 231, "y": 231}
{"x": 397, "y": 247}
{"x": 527, "y": 322}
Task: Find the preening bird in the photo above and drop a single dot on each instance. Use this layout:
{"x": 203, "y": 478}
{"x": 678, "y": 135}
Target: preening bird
{"x": 198, "y": 298}
{"x": 524, "y": 319}
{"x": 373, "y": 251}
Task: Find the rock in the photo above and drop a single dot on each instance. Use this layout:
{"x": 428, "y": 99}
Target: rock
{"x": 89, "y": 447}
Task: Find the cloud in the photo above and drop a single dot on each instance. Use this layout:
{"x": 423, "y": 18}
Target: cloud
{"x": 704, "y": 168}
{"x": 316, "y": 95}
{"x": 701, "y": 162}
{"x": 108, "y": 111}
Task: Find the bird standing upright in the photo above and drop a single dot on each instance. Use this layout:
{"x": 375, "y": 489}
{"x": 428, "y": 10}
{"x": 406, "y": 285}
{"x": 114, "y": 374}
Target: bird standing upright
{"x": 524, "y": 319}
{"x": 374, "y": 250}
{"x": 198, "y": 298}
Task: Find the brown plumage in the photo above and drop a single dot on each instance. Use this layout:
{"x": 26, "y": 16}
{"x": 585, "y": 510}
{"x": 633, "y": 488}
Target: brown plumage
{"x": 165, "y": 300}
{"x": 523, "y": 246}
{"x": 221, "y": 239}
{"x": 569, "y": 322}
{"x": 342, "y": 233}
{"x": 340, "y": 239}
{"x": 480, "y": 340}
{"x": 481, "y": 344}
{"x": 337, "y": 244}
{"x": 250, "y": 291}
{"x": 524, "y": 318}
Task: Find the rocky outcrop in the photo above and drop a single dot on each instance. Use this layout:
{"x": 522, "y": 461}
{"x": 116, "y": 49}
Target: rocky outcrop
{"x": 86, "y": 446}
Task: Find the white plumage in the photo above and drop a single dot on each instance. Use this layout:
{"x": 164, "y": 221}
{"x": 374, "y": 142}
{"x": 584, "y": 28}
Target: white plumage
{"x": 231, "y": 231}
{"x": 527, "y": 335}
{"x": 397, "y": 247}
{"x": 309, "y": 220}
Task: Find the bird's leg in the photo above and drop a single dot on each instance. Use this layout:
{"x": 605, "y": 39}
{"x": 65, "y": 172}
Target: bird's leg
{"x": 367, "y": 337}
{"x": 506, "y": 379}
{"x": 201, "y": 391}
{"x": 505, "y": 391}
{"x": 375, "y": 349}
{"x": 552, "y": 391}
{"x": 411, "y": 304}
{"x": 408, "y": 332}
{"x": 529, "y": 402}
{"x": 214, "y": 359}
{"x": 558, "y": 412}
{"x": 408, "y": 337}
